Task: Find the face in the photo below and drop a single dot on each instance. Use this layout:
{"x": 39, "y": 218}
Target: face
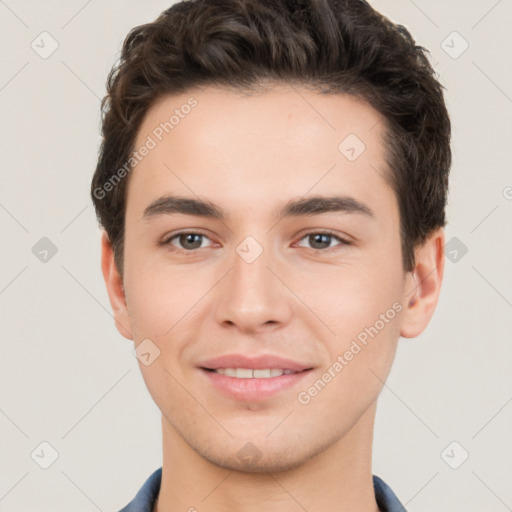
{"x": 286, "y": 256}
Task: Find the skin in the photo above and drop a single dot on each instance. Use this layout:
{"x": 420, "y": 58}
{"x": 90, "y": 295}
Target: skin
{"x": 250, "y": 155}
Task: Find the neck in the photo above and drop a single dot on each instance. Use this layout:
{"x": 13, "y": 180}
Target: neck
{"x": 337, "y": 479}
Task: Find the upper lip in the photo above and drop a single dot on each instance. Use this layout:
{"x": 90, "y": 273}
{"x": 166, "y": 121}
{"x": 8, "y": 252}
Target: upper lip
{"x": 255, "y": 363}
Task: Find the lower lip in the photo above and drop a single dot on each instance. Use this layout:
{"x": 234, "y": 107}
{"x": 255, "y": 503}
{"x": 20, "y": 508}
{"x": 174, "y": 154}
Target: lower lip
{"x": 253, "y": 389}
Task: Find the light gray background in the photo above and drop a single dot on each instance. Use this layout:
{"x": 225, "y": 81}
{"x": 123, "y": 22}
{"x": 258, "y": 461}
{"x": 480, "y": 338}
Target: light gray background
{"x": 68, "y": 378}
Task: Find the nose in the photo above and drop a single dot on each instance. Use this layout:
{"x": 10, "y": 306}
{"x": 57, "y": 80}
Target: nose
{"x": 252, "y": 297}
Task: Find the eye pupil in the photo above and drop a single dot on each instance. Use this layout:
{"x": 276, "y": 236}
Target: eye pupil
{"x": 188, "y": 238}
{"x": 320, "y": 239}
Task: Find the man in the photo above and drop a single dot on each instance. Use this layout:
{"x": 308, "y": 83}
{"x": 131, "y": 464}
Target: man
{"x": 272, "y": 185}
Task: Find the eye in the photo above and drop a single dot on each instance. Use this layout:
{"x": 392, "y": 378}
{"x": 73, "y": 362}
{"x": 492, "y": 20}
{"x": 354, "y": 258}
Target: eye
{"x": 187, "y": 241}
{"x": 322, "y": 240}
{"x": 190, "y": 240}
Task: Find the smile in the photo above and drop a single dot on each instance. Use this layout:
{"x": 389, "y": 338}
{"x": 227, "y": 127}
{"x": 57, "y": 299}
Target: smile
{"x": 248, "y": 373}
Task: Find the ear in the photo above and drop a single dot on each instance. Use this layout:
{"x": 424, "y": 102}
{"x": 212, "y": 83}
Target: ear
{"x": 423, "y": 285}
{"x": 115, "y": 289}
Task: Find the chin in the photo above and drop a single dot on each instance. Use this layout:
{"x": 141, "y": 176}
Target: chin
{"x": 261, "y": 455}
{"x": 269, "y": 463}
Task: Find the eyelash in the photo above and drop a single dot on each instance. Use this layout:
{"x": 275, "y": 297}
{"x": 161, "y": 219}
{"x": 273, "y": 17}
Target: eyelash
{"x": 167, "y": 241}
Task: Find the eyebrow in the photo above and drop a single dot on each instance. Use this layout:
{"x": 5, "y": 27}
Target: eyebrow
{"x": 313, "y": 205}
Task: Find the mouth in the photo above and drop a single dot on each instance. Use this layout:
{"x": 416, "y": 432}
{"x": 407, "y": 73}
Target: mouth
{"x": 249, "y": 373}
{"x": 252, "y": 377}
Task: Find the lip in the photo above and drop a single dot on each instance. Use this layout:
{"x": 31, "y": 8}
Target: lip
{"x": 254, "y": 363}
{"x": 253, "y": 389}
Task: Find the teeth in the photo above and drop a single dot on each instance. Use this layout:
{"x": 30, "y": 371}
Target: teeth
{"x": 248, "y": 373}
{"x": 243, "y": 373}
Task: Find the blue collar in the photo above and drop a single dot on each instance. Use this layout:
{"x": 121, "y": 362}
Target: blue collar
{"x": 145, "y": 499}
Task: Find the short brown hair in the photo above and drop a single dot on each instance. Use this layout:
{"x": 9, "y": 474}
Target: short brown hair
{"x": 331, "y": 46}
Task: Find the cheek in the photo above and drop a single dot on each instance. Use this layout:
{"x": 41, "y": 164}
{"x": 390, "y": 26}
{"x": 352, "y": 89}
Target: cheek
{"x": 158, "y": 294}
{"x": 349, "y": 297}
{"x": 365, "y": 316}
{"x": 166, "y": 303}
{"x": 160, "y": 304}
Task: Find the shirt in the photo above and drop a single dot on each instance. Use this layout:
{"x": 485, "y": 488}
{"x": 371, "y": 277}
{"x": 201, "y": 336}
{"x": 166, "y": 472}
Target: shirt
{"x": 145, "y": 499}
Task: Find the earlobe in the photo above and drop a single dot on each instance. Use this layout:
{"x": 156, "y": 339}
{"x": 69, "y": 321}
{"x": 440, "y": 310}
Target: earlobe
{"x": 423, "y": 285}
{"x": 115, "y": 289}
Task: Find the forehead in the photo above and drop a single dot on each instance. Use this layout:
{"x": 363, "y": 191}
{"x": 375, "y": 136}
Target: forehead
{"x": 253, "y": 151}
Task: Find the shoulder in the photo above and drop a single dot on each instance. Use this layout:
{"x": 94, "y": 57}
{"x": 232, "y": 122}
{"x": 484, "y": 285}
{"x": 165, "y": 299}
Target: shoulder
{"x": 147, "y": 495}
{"x": 385, "y": 497}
